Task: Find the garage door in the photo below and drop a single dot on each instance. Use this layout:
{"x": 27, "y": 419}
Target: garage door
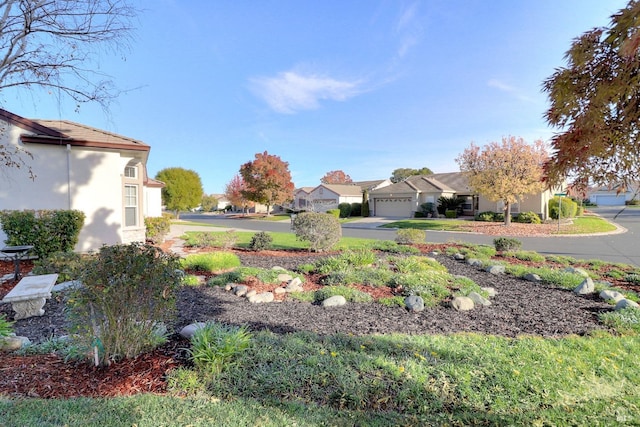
{"x": 393, "y": 207}
{"x": 602, "y": 200}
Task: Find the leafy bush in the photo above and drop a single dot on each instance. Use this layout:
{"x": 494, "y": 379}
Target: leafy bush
{"x": 394, "y": 247}
{"x": 356, "y": 209}
{"x": 68, "y": 265}
{"x": 452, "y": 203}
{"x": 225, "y": 240}
{"x": 349, "y": 293}
{"x": 157, "y": 228}
{"x": 211, "y": 262}
{"x": 334, "y": 213}
{"x": 486, "y": 216}
{"x": 506, "y": 244}
{"x": 528, "y": 256}
{"x": 215, "y": 346}
{"x": 528, "y": 218}
{"x": 260, "y": 241}
{"x": 322, "y": 231}
{"x": 190, "y": 280}
{"x": 408, "y": 236}
{"x": 48, "y": 231}
{"x": 428, "y": 209}
{"x": 450, "y": 213}
{"x": 623, "y": 321}
{"x": 345, "y": 210}
{"x": 568, "y": 206}
{"x": 127, "y": 292}
{"x": 6, "y": 327}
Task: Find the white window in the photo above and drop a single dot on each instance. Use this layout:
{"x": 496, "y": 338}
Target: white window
{"x": 130, "y": 205}
{"x": 130, "y": 172}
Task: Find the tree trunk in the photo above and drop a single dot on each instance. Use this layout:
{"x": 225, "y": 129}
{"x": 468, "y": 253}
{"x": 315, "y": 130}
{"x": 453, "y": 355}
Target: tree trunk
{"x": 507, "y": 214}
{"x": 177, "y": 214}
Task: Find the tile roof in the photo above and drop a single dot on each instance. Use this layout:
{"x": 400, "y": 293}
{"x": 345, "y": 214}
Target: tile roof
{"x": 344, "y": 189}
{"x": 454, "y": 182}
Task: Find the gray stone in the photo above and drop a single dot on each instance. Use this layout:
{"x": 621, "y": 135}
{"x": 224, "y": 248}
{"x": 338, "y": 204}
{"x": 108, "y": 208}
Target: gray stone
{"x": 414, "y": 303}
{"x": 295, "y": 285}
{"x": 580, "y": 271}
{"x": 479, "y": 299}
{"x": 462, "y": 303}
{"x": 250, "y": 293}
{"x": 334, "y": 301}
{"x": 261, "y": 297}
{"x": 474, "y": 262}
{"x": 532, "y": 277}
{"x": 279, "y": 290}
{"x": 13, "y": 343}
{"x": 608, "y": 294}
{"x": 626, "y": 303}
{"x": 283, "y": 277}
{"x": 188, "y": 331}
{"x": 433, "y": 253}
{"x": 495, "y": 269}
{"x": 458, "y": 256}
{"x": 278, "y": 268}
{"x": 586, "y": 287}
{"x": 240, "y": 290}
{"x": 490, "y": 291}
{"x": 229, "y": 286}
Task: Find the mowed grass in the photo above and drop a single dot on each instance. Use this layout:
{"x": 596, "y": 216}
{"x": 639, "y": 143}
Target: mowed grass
{"x": 588, "y": 225}
{"x": 307, "y": 380}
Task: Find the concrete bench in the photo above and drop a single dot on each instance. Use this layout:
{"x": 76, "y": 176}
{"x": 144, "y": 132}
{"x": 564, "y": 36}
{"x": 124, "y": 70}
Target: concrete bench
{"x": 30, "y": 294}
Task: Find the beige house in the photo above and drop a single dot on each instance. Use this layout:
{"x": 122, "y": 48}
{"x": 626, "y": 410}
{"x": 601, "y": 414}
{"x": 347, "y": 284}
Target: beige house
{"x": 79, "y": 167}
{"x": 329, "y": 196}
{"x": 403, "y": 199}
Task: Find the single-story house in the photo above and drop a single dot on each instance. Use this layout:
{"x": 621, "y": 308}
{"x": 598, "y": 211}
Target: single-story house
{"x": 326, "y": 196}
{"x": 613, "y": 196}
{"x": 79, "y": 167}
{"x": 403, "y": 199}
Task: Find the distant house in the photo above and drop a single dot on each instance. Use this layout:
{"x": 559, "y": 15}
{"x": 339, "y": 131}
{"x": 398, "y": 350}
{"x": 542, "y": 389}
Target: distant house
{"x": 329, "y": 196}
{"x": 79, "y": 167}
{"x": 613, "y": 195}
{"x": 403, "y": 199}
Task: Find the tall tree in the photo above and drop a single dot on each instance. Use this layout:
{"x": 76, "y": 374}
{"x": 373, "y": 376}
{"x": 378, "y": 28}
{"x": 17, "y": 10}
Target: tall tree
{"x": 336, "y": 177}
{"x": 267, "y": 179}
{"x": 233, "y": 191}
{"x": 209, "y": 203}
{"x": 505, "y": 171}
{"x": 401, "y": 174}
{"x": 595, "y": 103}
{"x": 182, "y": 190}
{"x": 55, "y": 45}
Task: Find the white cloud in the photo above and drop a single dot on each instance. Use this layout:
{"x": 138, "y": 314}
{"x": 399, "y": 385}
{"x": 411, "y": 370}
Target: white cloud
{"x": 409, "y": 28}
{"x": 290, "y": 91}
{"x": 504, "y": 87}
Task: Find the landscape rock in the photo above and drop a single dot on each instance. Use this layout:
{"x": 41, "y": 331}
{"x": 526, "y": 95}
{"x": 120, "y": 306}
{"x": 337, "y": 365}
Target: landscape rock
{"x": 334, "y": 301}
{"x": 490, "y": 291}
{"x": 626, "y": 303}
{"x": 495, "y": 269}
{"x": 586, "y": 287}
{"x": 414, "y": 303}
{"x": 433, "y": 253}
{"x": 188, "y": 331}
{"x": 608, "y": 294}
{"x": 279, "y": 291}
{"x": 458, "y": 256}
{"x": 479, "y": 299}
{"x": 462, "y": 303}
{"x": 284, "y": 277}
{"x": 251, "y": 293}
{"x": 582, "y": 272}
{"x": 532, "y": 277}
{"x": 261, "y": 297}
{"x": 13, "y": 343}
{"x": 295, "y": 285}
{"x": 240, "y": 290}
{"x": 474, "y": 262}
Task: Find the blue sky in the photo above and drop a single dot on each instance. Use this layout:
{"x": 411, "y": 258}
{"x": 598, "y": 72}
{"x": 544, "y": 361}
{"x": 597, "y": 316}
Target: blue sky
{"x": 363, "y": 86}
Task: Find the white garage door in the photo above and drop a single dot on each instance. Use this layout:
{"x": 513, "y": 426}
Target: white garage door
{"x": 393, "y": 207}
{"x": 603, "y": 200}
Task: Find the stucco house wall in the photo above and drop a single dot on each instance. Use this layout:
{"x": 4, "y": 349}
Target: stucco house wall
{"x": 84, "y": 172}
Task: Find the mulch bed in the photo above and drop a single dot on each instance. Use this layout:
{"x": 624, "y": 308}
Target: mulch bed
{"x": 519, "y": 308}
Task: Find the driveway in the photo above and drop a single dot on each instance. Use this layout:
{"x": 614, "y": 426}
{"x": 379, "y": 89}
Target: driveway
{"x": 620, "y": 247}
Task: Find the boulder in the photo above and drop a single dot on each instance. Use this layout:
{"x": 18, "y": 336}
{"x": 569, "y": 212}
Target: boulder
{"x": 462, "y": 303}
{"x": 261, "y": 297}
{"x": 188, "y": 331}
{"x": 474, "y": 262}
{"x": 610, "y": 295}
{"x": 284, "y": 277}
{"x": 626, "y": 303}
{"x": 334, "y": 301}
{"x": 532, "y": 277}
{"x": 586, "y": 287}
{"x": 495, "y": 269}
{"x": 579, "y": 271}
{"x": 479, "y": 299}
{"x": 13, "y": 343}
{"x": 414, "y": 303}
{"x": 490, "y": 291}
{"x": 240, "y": 290}
{"x": 459, "y": 257}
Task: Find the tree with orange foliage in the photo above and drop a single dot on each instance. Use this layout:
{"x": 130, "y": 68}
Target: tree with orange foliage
{"x": 233, "y": 192}
{"x": 505, "y": 171}
{"x": 267, "y": 180}
{"x": 336, "y": 177}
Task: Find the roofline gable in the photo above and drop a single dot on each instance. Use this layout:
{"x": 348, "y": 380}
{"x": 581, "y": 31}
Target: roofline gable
{"x": 29, "y": 125}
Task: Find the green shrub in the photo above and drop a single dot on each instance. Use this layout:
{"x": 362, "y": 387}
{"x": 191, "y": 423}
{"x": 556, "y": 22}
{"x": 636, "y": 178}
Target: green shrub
{"x": 394, "y": 247}
{"x": 580, "y": 211}
{"x": 334, "y": 213}
{"x": 632, "y": 202}
{"x": 528, "y": 256}
{"x": 395, "y": 301}
{"x": 568, "y": 206}
{"x": 349, "y": 293}
{"x": 428, "y": 209}
{"x": 226, "y": 239}
{"x": 356, "y": 209}
{"x": 128, "y": 292}
{"x": 450, "y": 214}
{"x": 185, "y": 382}
{"x": 506, "y": 244}
{"x": 260, "y": 241}
{"x": 486, "y": 216}
{"x": 528, "y": 218}
{"x": 216, "y": 346}
{"x": 157, "y": 228}
{"x": 345, "y": 210}
{"x": 408, "y": 236}
{"x": 48, "y": 231}
{"x": 211, "y": 262}
{"x": 190, "y": 280}
{"x": 6, "y": 327}
{"x": 322, "y": 231}
{"x": 623, "y": 321}
{"x": 418, "y": 214}
{"x": 68, "y": 265}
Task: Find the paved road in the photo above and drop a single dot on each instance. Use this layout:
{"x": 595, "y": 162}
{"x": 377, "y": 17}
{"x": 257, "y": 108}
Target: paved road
{"x": 621, "y": 247}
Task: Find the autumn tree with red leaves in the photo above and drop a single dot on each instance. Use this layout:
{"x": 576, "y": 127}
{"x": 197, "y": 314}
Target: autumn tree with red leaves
{"x": 267, "y": 180}
{"x": 595, "y": 104}
{"x": 505, "y": 171}
{"x": 336, "y": 177}
{"x": 233, "y": 192}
